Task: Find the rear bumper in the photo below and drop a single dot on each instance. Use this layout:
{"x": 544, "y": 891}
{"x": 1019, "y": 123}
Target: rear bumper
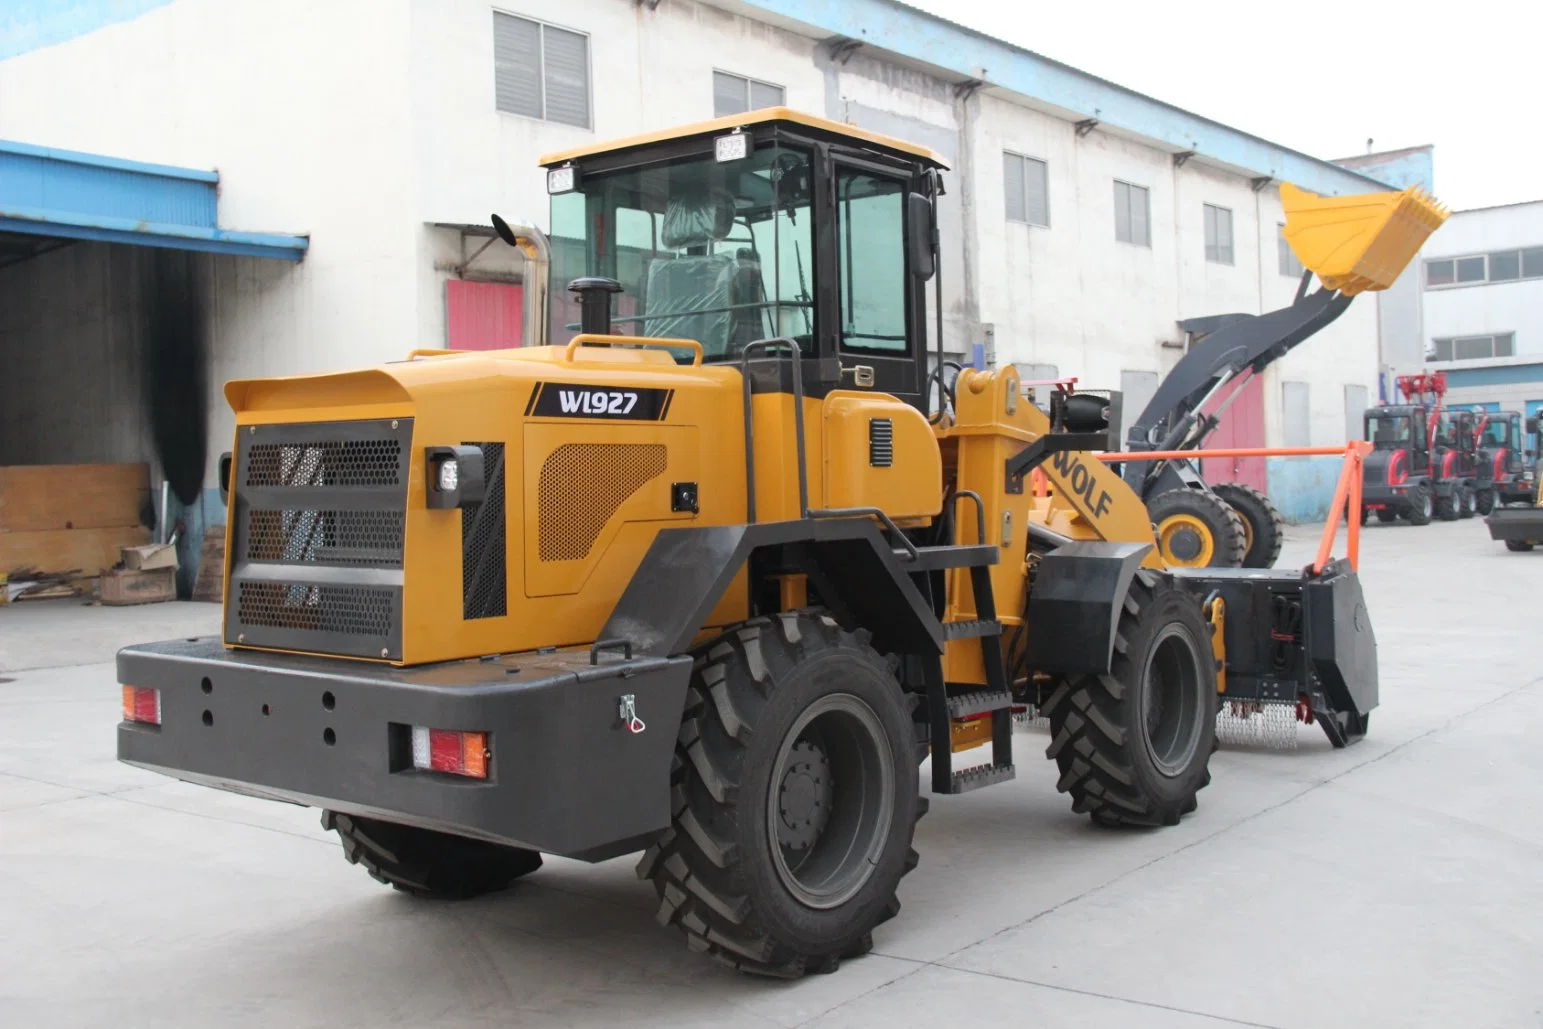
{"x": 565, "y": 776}
{"x": 1516, "y": 524}
{"x": 1383, "y": 495}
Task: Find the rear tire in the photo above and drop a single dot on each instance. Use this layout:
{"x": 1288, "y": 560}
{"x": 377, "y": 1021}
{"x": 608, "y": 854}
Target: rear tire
{"x": 1485, "y": 501}
{"x": 1134, "y": 744}
{"x": 1196, "y": 529}
{"x": 1446, "y": 507}
{"x": 794, "y": 790}
{"x": 1467, "y": 502}
{"x": 1421, "y": 505}
{"x": 426, "y": 863}
{"x": 1264, "y": 530}
{"x": 1519, "y": 546}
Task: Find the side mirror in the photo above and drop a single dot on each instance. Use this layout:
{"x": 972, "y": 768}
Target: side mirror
{"x": 225, "y": 469}
{"x": 922, "y": 240}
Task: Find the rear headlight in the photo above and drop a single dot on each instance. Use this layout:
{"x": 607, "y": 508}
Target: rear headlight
{"x": 447, "y": 750}
{"x": 141, "y": 704}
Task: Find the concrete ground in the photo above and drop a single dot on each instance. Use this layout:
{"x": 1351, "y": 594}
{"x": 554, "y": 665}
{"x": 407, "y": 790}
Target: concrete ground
{"x": 1399, "y": 882}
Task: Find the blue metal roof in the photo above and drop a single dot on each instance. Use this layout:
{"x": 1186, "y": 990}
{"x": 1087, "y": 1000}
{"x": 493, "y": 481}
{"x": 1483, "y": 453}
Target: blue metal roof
{"x": 974, "y": 56}
{"x": 65, "y": 194}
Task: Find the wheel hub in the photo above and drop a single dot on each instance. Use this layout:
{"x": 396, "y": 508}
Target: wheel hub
{"x": 1185, "y": 540}
{"x": 804, "y": 797}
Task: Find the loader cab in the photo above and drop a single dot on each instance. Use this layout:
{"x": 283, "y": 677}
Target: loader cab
{"x": 1401, "y": 427}
{"x": 1456, "y": 438}
{"x": 763, "y": 225}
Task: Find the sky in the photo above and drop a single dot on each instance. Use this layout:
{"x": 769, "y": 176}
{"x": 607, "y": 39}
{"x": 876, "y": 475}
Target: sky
{"x": 1322, "y": 78}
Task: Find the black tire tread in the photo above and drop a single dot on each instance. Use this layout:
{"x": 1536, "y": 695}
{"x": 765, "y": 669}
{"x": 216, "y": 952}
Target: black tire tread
{"x": 1226, "y": 526}
{"x": 1088, "y": 740}
{"x": 1415, "y": 511}
{"x": 694, "y": 871}
{"x": 1253, "y": 506}
{"x": 426, "y": 863}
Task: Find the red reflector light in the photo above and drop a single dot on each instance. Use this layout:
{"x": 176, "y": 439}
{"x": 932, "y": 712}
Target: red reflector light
{"x": 448, "y": 750}
{"x": 141, "y": 705}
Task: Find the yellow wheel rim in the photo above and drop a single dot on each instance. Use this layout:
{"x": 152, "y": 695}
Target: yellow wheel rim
{"x": 1248, "y": 534}
{"x": 1190, "y": 537}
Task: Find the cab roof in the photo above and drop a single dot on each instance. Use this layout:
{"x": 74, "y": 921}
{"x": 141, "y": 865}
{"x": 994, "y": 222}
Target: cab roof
{"x": 766, "y": 115}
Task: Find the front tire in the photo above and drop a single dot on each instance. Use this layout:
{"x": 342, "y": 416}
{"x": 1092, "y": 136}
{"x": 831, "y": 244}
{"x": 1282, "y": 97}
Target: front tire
{"x": 1196, "y": 529}
{"x": 1467, "y": 502}
{"x": 1134, "y": 744}
{"x": 794, "y": 790}
{"x": 1518, "y": 546}
{"x": 426, "y": 863}
{"x": 1421, "y": 505}
{"x": 1446, "y": 506}
{"x": 1264, "y": 530}
{"x": 1485, "y": 501}
{"x": 1386, "y": 515}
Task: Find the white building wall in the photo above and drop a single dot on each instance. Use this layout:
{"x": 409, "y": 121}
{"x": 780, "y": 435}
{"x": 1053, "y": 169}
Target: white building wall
{"x": 1490, "y": 307}
{"x": 299, "y": 107}
{"x": 363, "y": 122}
{"x": 1073, "y": 296}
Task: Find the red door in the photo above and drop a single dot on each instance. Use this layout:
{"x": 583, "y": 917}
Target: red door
{"x": 482, "y": 315}
{"x": 1242, "y": 425}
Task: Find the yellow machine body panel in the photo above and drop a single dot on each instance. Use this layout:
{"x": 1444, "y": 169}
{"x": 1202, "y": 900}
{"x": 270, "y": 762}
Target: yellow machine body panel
{"x": 993, "y": 423}
{"x": 1358, "y": 243}
{"x": 880, "y": 453}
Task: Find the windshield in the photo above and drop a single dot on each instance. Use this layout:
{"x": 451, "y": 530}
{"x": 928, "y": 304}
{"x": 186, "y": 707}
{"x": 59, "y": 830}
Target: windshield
{"x": 718, "y": 252}
{"x": 1388, "y": 430}
{"x": 1497, "y": 433}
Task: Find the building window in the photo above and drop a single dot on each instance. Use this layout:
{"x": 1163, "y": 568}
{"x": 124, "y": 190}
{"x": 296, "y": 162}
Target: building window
{"x": 1289, "y": 265}
{"x": 1132, "y": 214}
{"x": 540, "y": 71}
{"x": 1028, "y": 189}
{"x": 1500, "y": 266}
{"x": 735, "y": 94}
{"x": 1473, "y": 348}
{"x": 1218, "y": 234}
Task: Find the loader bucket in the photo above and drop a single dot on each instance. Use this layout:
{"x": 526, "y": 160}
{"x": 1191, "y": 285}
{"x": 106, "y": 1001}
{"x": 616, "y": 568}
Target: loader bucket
{"x": 1358, "y": 243}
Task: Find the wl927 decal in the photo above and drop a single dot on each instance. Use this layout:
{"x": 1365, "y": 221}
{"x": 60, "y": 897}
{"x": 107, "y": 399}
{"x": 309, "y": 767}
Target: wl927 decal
{"x": 617, "y": 403}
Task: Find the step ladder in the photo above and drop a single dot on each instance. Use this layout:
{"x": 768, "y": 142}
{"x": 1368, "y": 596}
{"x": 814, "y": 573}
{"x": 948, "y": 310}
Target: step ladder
{"x": 945, "y": 707}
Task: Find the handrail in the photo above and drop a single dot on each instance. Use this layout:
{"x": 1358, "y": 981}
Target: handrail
{"x": 1347, "y": 491}
{"x": 791, "y": 346}
{"x": 659, "y": 343}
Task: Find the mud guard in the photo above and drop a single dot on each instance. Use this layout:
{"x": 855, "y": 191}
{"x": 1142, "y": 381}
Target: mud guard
{"x": 859, "y": 576}
{"x": 1074, "y": 608}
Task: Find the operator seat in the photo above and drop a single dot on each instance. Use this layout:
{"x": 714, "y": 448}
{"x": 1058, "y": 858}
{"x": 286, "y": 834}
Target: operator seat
{"x": 694, "y": 292}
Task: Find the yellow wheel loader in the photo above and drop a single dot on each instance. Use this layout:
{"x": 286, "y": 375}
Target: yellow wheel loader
{"x": 1352, "y": 245}
{"x": 713, "y": 575}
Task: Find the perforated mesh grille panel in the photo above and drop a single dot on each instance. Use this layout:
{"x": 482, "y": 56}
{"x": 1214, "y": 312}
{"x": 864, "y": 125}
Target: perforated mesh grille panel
{"x": 349, "y": 610}
{"x": 483, "y": 585}
{"x": 369, "y": 539}
{"x": 366, "y": 462}
{"x": 317, "y": 536}
{"x": 582, "y": 485}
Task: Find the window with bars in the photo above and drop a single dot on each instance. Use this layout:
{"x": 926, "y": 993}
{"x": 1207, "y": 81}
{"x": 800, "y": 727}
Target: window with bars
{"x": 1218, "y": 234}
{"x": 1132, "y": 214}
{"x": 736, "y": 94}
{"x": 1289, "y": 265}
{"x": 1498, "y": 266}
{"x": 1027, "y": 183}
{"x": 1473, "y": 348}
{"x": 540, "y": 71}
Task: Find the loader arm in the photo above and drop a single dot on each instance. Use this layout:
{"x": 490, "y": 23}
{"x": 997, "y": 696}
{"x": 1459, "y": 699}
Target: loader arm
{"x": 1233, "y": 345}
